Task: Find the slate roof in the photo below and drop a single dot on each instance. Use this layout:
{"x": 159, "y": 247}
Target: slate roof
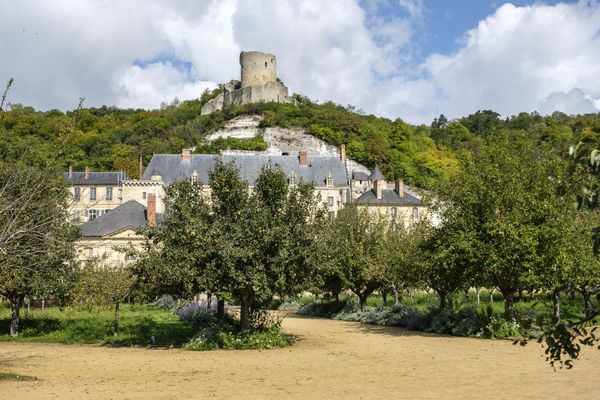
{"x": 128, "y": 215}
{"x": 171, "y": 167}
{"x": 360, "y": 176}
{"x": 389, "y": 197}
{"x": 377, "y": 175}
{"x": 96, "y": 178}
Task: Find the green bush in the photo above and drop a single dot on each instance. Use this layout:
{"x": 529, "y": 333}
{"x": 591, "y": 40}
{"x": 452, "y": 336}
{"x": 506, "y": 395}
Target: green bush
{"x": 499, "y": 328}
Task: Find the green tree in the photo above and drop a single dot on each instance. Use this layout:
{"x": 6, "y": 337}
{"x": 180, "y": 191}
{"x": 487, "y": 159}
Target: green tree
{"x": 504, "y": 204}
{"x": 103, "y": 285}
{"x": 36, "y": 241}
{"x": 356, "y": 244}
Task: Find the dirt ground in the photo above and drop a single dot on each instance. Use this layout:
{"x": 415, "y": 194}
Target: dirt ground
{"x": 331, "y": 360}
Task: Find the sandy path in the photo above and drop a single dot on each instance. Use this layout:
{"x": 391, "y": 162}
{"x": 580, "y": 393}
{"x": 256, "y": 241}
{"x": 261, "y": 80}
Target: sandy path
{"x": 332, "y": 359}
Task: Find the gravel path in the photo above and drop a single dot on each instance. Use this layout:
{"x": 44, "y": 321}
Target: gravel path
{"x": 331, "y": 360}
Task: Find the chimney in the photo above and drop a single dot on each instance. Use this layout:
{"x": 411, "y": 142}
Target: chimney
{"x": 343, "y": 152}
{"x": 185, "y": 154}
{"x": 400, "y": 187}
{"x": 303, "y": 157}
{"x": 86, "y": 172}
{"x": 151, "y": 210}
{"x": 379, "y": 188}
{"x": 70, "y": 170}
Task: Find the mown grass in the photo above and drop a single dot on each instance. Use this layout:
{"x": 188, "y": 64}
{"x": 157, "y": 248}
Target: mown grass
{"x": 11, "y": 376}
{"x": 140, "y": 325}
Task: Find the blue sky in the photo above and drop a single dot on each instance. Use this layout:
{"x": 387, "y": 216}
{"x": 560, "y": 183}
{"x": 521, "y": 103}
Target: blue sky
{"x": 408, "y": 59}
{"x": 447, "y": 20}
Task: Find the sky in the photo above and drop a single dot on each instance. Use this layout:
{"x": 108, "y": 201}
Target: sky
{"x": 408, "y": 59}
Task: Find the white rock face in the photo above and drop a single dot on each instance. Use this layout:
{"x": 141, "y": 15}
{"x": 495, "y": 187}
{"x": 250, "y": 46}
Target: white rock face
{"x": 242, "y": 127}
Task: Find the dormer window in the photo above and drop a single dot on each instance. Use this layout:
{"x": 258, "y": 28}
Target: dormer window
{"x": 329, "y": 180}
{"x": 292, "y": 178}
{"x": 195, "y": 176}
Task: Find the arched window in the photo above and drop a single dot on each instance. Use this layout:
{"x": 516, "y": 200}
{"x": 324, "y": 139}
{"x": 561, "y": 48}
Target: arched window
{"x": 195, "y": 176}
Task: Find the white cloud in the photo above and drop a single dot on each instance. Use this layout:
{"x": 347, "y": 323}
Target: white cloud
{"x": 156, "y": 83}
{"x": 129, "y": 53}
{"x": 517, "y": 57}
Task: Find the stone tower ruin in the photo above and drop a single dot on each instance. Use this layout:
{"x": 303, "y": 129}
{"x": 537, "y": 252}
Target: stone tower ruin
{"x": 257, "y": 68}
{"x": 258, "y": 83}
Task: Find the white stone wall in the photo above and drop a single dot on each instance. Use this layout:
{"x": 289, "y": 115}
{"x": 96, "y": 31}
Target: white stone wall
{"x": 85, "y": 208}
{"x": 109, "y": 248}
{"x": 138, "y": 190}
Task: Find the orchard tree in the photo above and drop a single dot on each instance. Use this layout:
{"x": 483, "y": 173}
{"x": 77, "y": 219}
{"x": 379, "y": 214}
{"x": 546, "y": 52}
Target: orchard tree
{"x": 397, "y": 263}
{"x": 36, "y": 241}
{"x": 103, "y": 285}
{"x": 175, "y": 254}
{"x": 356, "y": 243}
{"x": 262, "y": 241}
{"x": 501, "y": 206}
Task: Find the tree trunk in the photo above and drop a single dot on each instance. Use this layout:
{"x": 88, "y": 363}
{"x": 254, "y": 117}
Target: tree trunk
{"x": 337, "y": 297}
{"x": 384, "y": 296}
{"x": 509, "y": 301}
{"x": 396, "y": 297}
{"x": 14, "y": 316}
{"x": 208, "y": 300}
{"x": 587, "y": 302}
{"x": 246, "y": 300}
{"x": 556, "y": 306}
{"x": 478, "y": 291}
{"x": 221, "y": 308}
{"x": 116, "y": 326}
{"x": 443, "y": 299}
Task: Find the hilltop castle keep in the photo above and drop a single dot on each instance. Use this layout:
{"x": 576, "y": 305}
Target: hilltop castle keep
{"x": 259, "y": 83}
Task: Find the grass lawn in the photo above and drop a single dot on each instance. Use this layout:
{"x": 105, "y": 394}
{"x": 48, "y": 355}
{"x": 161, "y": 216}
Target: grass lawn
{"x": 140, "y": 325}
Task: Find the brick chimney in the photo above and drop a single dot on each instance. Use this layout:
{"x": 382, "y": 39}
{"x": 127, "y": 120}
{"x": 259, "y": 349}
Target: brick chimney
{"x": 343, "y": 152}
{"x": 400, "y": 187}
{"x": 151, "y": 210}
{"x": 303, "y": 157}
{"x": 70, "y": 170}
{"x": 185, "y": 154}
{"x": 86, "y": 172}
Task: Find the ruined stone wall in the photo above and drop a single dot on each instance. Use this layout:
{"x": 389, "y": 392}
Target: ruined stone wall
{"x": 257, "y": 68}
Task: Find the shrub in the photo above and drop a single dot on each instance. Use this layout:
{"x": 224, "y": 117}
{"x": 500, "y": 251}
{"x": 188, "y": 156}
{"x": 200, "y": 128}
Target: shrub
{"x": 195, "y": 312}
{"x": 166, "y": 302}
{"x": 499, "y": 328}
{"x": 290, "y": 306}
{"x": 325, "y": 309}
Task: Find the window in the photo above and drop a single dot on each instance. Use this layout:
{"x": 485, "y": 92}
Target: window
{"x": 92, "y": 214}
{"x": 144, "y": 195}
{"x": 330, "y": 201}
{"x": 195, "y": 176}
{"x": 77, "y": 193}
{"x": 393, "y": 213}
{"x": 76, "y": 214}
{"x": 88, "y": 252}
{"x": 93, "y": 193}
{"x": 329, "y": 180}
{"x": 109, "y": 193}
{"x": 129, "y": 257}
{"x": 415, "y": 213}
{"x": 292, "y": 179}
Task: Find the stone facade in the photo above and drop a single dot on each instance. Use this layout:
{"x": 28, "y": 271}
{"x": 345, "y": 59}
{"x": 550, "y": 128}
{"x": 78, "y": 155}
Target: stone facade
{"x": 259, "y": 83}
